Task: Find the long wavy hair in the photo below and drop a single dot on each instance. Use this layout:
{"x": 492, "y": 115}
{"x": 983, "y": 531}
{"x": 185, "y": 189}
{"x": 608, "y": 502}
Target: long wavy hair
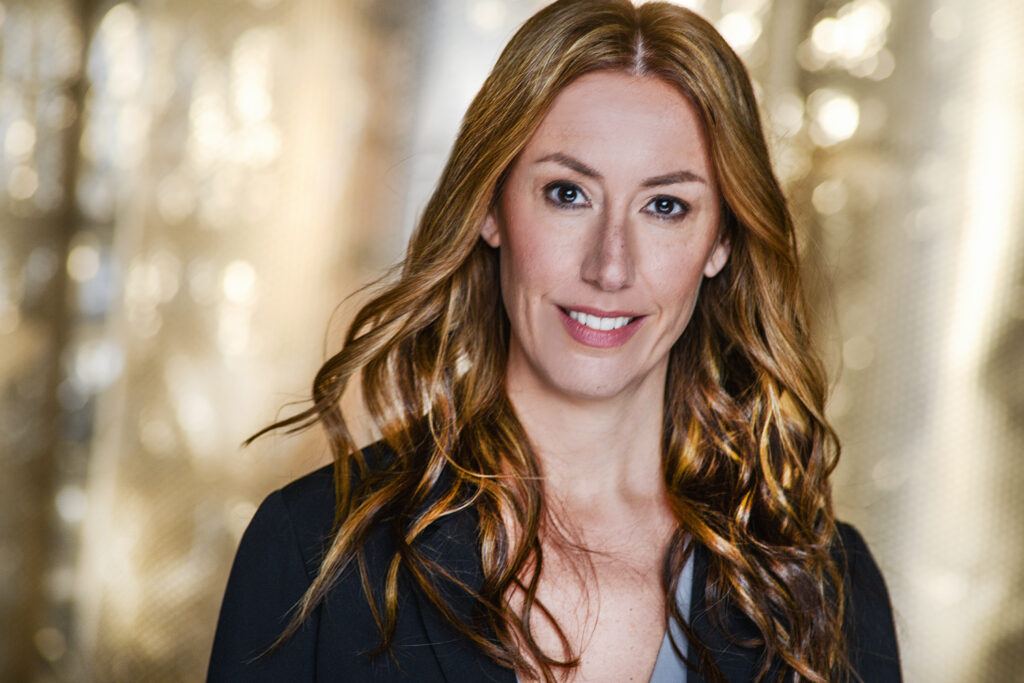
{"x": 746, "y": 451}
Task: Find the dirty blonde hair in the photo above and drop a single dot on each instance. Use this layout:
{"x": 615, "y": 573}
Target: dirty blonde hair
{"x": 747, "y": 451}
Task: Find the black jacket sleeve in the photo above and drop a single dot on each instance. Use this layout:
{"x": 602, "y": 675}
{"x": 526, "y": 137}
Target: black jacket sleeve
{"x": 870, "y": 631}
{"x": 268, "y": 578}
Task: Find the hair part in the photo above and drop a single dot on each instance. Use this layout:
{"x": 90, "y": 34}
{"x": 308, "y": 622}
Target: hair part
{"x": 747, "y": 450}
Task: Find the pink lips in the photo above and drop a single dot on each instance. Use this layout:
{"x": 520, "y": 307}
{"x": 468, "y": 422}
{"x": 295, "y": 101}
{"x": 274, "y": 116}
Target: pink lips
{"x": 604, "y": 339}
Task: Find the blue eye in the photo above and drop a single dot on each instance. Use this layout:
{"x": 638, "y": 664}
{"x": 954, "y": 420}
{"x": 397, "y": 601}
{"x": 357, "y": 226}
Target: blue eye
{"x": 565, "y": 194}
{"x": 667, "y": 207}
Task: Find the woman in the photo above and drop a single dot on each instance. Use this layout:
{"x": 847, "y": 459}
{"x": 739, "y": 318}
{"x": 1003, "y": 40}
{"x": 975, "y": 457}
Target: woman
{"x": 604, "y": 454}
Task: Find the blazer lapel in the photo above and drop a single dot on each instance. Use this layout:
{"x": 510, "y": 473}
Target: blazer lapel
{"x": 452, "y": 542}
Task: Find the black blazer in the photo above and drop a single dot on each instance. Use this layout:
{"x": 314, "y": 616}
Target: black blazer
{"x": 278, "y": 558}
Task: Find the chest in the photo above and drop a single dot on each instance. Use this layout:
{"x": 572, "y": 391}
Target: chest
{"x": 610, "y": 608}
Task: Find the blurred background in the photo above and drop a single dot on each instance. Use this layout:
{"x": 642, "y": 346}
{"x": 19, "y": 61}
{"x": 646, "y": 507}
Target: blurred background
{"x": 189, "y": 188}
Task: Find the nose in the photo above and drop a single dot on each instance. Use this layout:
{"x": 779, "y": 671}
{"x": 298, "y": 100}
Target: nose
{"x": 608, "y": 263}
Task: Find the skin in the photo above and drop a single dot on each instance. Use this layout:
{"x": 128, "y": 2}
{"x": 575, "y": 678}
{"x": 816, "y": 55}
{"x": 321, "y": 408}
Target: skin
{"x": 612, "y": 206}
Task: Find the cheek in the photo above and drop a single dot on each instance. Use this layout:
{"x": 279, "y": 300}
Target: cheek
{"x": 531, "y": 262}
{"x": 525, "y": 274}
{"x": 676, "y": 281}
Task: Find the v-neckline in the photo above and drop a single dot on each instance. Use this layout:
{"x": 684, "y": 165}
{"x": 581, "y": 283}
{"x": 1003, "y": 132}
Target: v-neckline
{"x": 453, "y": 542}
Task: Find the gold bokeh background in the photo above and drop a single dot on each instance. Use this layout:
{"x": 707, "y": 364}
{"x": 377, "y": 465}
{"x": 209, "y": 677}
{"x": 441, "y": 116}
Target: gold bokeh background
{"x": 188, "y": 189}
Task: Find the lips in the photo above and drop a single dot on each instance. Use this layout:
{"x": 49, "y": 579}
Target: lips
{"x": 600, "y": 329}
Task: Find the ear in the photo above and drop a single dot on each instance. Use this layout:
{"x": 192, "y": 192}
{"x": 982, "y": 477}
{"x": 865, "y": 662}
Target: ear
{"x": 489, "y": 229}
{"x": 717, "y": 258}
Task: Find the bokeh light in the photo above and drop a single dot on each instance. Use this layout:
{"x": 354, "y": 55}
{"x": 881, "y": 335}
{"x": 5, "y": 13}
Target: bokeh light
{"x": 188, "y": 189}
{"x": 836, "y": 116}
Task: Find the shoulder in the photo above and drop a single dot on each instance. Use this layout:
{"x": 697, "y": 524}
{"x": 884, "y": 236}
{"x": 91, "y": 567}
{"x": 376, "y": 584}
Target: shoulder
{"x": 277, "y": 560}
{"x": 865, "y": 583}
{"x": 275, "y": 563}
{"x": 869, "y": 624}
{"x": 313, "y": 492}
{"x": 307, "y": 506}
{"x": 852, "y": 541}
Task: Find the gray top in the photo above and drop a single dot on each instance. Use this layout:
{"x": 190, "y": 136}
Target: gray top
{"x": 669, "y": 668}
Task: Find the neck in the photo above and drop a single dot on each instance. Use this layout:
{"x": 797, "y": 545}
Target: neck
{"x": 603, "y": 452}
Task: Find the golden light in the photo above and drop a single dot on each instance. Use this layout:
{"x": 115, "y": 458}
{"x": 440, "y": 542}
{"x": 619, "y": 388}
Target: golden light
{"x": 239, "y": 282}
{"x": 487, "y": 15}
{"x": 740, "y": 29}
{"x": 20, "y": 139}
{"x": 856, "y": 34}
{"x": 23, "y": 182}
{"x": 234, "y": 160}
{"x": 118, "y": 35}
{"x": 251, "y": 61}
{"x": 836, "y": 116}
{"x": 83, "y": 262}
{"x": 829, "y": 197}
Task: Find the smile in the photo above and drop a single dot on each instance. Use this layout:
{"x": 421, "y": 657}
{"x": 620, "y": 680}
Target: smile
{"x": 597, "y": 323}
{"x": 600, "y": 331}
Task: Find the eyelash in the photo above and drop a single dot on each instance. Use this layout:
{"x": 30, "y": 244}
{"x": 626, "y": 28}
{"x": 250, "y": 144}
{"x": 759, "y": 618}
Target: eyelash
{"x": 551, "y": 194}
{"x": 683, "y": 207}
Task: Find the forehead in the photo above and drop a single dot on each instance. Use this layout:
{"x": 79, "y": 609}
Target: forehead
{"x": 613, "y": 116}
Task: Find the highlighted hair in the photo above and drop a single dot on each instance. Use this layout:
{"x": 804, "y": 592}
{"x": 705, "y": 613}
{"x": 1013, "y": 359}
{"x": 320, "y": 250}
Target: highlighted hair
{"x": 747, "y": 451}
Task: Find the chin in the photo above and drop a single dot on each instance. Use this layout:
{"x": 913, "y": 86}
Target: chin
{"x": 589, "y": 386}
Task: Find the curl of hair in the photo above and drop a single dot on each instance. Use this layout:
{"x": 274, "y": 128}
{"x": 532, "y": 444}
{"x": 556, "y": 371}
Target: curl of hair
{"x": 747, "y": 451}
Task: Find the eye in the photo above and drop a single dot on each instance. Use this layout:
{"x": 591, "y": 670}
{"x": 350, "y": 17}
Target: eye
{"x": 565, "y": 194}
{"x": 667, "y": 207}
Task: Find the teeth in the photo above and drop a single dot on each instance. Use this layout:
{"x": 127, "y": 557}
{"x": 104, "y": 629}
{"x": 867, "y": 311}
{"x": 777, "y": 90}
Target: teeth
{"x": 596, "y": 323}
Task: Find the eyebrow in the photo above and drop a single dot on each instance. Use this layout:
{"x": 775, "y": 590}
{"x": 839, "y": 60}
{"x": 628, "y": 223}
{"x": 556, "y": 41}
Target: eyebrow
{"x": 673, "y": 178}
{"x": 583, "y": 169}
{"x": 566, "y": 160}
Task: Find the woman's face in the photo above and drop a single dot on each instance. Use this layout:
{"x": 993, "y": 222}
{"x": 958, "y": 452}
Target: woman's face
{"x": 606, "y": 225}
